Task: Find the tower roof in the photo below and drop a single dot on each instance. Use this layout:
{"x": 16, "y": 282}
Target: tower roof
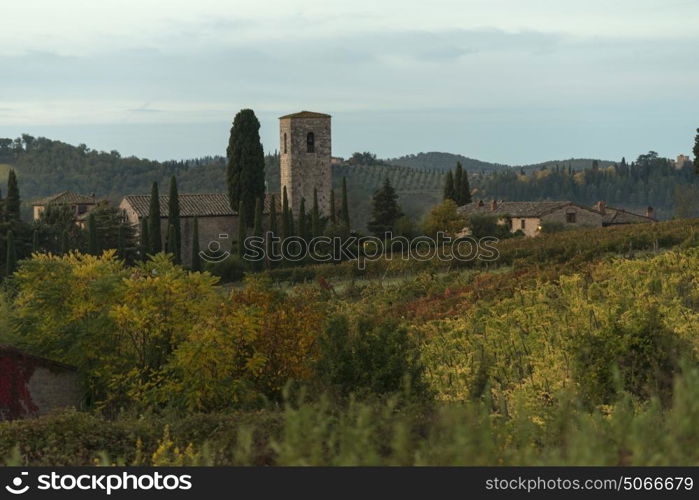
{"x": 305, "y": 114}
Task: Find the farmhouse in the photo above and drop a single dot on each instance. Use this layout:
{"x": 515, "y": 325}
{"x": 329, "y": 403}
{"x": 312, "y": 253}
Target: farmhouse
{"x": 31, "y": 385}
{"x": 218, "y": 224}
{"x": 530, "y": 216}
{"x": 78, "y": 203}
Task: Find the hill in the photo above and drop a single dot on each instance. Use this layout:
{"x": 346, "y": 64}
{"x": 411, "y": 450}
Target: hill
{"x": 443, "y": 162}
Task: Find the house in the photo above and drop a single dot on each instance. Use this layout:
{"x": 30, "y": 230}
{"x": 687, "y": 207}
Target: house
{"x": 218, "y": 224}
{"x": 530, "y": 216}
{"x": 32, "y": 385}
{"x": 78, "y": 203}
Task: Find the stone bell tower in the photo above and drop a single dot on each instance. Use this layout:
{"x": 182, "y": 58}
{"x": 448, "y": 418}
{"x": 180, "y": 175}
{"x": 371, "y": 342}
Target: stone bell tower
{"x": 305, "y": 151}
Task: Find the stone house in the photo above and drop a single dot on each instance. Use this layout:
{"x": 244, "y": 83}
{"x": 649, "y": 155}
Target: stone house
{"x": 32, "y": 386}
{"x": 78, "y": 203}
{"x": 218, "y": 223}
{"x": 530, "y": 216}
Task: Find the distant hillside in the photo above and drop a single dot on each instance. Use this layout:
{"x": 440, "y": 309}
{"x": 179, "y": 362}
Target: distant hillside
{"x": 574, "y": 163}
{"x": 443, "y": 162}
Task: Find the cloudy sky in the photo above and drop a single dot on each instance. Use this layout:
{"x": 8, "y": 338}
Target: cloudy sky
{"x": 511, "y": 81}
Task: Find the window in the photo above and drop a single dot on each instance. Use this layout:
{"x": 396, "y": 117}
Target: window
{"x": 310, "y": 143}
{"x": 521, "y": 224}
{"x": 82, "y": 209}
{"x": 570, "y": 217}
{"x": 284, "y": 142}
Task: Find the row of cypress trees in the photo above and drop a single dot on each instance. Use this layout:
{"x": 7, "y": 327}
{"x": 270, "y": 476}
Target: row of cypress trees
{"x": 457, "y": 187}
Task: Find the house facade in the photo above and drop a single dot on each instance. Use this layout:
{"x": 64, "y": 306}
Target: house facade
{"x": 79, "y": 204}
{"x": 530, "y": 217}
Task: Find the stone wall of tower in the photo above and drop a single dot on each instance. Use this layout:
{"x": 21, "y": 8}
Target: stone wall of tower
{"x": 302, "y": 171}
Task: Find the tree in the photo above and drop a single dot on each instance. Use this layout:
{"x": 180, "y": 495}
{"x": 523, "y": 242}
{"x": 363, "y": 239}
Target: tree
{"x": 385, "y": 210}
{"x": 144, "y": 247}
{"x": 458, "y": 181}
{"x": 35, "y": 241}
{"x": 246, "y": 163}
{"x": 63, "y": 246}
{"x": 696, "y": 152}
{"x": 465, "y": 189}
{"x": 285, "y": 215}
{"x": 272, "y": 229}
{"x": 444, "y": 217}
{"x": 242, "y": 230}
{"x": 257, "y": 231}
{"x": 344, "y": 215}
{"x": 92, "y": 243}
{"x": 170, "y": 241}
{"x": 333, "y": 217}
{"x": 12, "y": 201}
{"x": 11, "y": 258}
{"x": 315, "y": 215}
{"x": 155, "y": 238}
{"x": 173, "y": 217}
{"x": 196, "y": 258}
{"x": 121, "y": 246}
{"x": 302, "y": 220}
{"x": 449, "y": 191}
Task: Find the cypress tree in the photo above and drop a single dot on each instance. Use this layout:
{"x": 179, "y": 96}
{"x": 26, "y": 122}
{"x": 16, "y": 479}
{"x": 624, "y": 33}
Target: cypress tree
{"x": 121, "y": 251}
{"x": 385, "y": 210}
{"x": 155, "y": 244}
{"x": 344, "y": 215}
{"x": 35, "y": 241}
{"x": 63, "y": 245}
{"x": 12, "y": 201}
{"x": 92, "y": 246}
{"x": 246, "y": 163}
{"x": 171, "y": 241}
{"x": 285, "y": 215}
{"x": 333, "y": 217}
{"x": 145, "y": 240}
{"x": 302, "y": 220}
{"x": 272, "y": 229}
{"x": 242, "y": 230}
{"x": 2, "y": 207}
{"x": 11, "y": 260}
{"x": 696, "y": 152}
{"x": 257, "y": 230}
{"x": 173, "y": 217}
{"x": 458, "y": 181}
{"x": 196, "y": 258}
{"x": 449, "y": 192}
{"x": 465, "y": 189}
{"x": 315, "y": 215}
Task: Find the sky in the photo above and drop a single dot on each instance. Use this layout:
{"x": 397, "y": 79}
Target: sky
{"x": 506, "y": 81}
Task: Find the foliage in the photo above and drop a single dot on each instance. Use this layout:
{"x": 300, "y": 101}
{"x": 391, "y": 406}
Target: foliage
{"x": 444, "y": 217}
{"x": 385, "y": 210}
{"x": 246, "y": 164}
{"x": 155, "y": 243}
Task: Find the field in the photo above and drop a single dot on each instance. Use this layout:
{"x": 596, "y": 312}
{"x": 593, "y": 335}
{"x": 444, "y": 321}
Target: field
{"x": 576, "y": 348}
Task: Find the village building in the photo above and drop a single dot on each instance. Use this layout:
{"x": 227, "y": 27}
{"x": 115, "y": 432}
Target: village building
{"x": 218, "y": 223}
{"x": 79, "y": 204}
{"x": 530, "y": 217}
{"x": 33, "y": 386}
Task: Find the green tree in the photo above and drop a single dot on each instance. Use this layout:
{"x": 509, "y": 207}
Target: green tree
{"x": 344, "y": 216}
{"x": 92, "y": 237}
{"x": 11, "y": 256}
{"x": 35, "y": 241}
{"x": 156, "y": 241}
{"x": 458, "y": 181}
{"x": 12, "y": 201}
{"x": 303, "y": 230}
{"x": 333, "y": 217}
{"x": 246, "y": 163}
{"x": 449, "y": 191}
{"x": 63, "y": 246}
{"x": 242, "y": 230}
{"x": 465, "y": 189}
{"x": 315, "y": 215}
{"x": 144, "y": 247}
{"x": 385, "y": 210}
{"x": 257, "y": 230}
{"x": 121, "y": 246}
{"x": 272, "y": 229}
{"x": 196, "y": 258}
{"x": 285, "y": 215}
{"x": 173, "y": 217}
{"x": 696, "y": 152}
{"x": 171, "y": 241}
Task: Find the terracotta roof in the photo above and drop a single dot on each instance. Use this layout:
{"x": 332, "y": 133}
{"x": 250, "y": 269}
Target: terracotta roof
{"x": 516, "y": 208}
{"x": 621, "y": 216}
{"x": 305, "y": 114}
{"x": 200, "y": 205}
{"x": 65, "y": 198}
{"x": 13, "y": 352}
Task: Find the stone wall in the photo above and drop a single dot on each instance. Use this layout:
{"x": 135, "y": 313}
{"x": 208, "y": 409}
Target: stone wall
{"x": 302, "y": 171}
{"x": 51, "y": 389}
{"x": 583, "y": 217}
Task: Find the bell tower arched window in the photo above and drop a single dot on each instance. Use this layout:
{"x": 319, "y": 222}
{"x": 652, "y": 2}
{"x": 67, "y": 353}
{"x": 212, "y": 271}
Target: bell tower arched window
{"x": 310, "y": 143}
{"x": 285, "y": 143}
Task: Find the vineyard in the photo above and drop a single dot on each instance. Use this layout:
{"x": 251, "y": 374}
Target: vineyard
{"x": 575, "y": 348}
